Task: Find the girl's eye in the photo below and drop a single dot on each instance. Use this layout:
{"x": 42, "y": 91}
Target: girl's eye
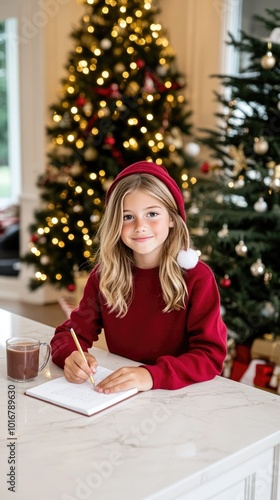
{"x": 127, "y": 217}
{"x": 152, "y": 214}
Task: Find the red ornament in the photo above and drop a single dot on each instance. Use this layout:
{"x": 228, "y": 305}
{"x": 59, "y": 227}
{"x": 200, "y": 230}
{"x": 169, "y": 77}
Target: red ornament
{"x": 80, "y": 101}
{"x": 225, "y": 282}
{"x": 205, "y": 168}
{"x": 34, "y": 238}
{"x": 263, "y": 375}
{"x": 71, "y": 287}
{"x": 109, "y": 140}
{"x": 140, "y": 63}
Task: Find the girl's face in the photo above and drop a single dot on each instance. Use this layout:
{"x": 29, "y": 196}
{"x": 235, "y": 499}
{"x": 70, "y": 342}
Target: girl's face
{"x": 146, "y": 224}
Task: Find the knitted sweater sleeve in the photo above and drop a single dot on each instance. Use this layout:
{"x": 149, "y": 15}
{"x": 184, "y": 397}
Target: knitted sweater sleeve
{"x": 207, "y": 339}
{"x": 85, "y": 320}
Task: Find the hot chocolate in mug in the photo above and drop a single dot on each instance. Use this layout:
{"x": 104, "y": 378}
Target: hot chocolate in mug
{"x": 23, "y": 358}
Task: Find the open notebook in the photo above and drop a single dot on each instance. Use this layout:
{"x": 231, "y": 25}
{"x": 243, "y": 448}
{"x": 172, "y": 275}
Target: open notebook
{"x": 81, "y": 398}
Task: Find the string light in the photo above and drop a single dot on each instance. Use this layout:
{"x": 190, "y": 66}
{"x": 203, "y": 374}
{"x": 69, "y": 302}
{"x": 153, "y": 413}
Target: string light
{"x": 35, "y": 251}
{"x": 132, "y": 121}
{"x": 57, "y": 118}
{"x": 78, "y": 109}
{"x": 40, "y": 276}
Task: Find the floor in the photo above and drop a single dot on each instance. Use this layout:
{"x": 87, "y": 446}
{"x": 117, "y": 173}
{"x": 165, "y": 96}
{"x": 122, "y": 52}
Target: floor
{"x": 50, "y": 314}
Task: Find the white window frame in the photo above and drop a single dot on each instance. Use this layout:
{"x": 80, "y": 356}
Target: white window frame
{"x": 13, "y": 107}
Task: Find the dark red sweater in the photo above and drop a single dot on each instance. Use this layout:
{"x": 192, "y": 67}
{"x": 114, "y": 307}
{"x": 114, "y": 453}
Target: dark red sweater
{"x": 178, "y": 348}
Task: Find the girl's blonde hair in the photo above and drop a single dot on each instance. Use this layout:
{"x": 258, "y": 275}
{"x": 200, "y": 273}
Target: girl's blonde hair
{"x": 116, "y": 259}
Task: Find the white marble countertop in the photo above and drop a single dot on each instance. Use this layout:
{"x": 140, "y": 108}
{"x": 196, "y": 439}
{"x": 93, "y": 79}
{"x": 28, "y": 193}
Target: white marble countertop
{"x": 148, "y": 447}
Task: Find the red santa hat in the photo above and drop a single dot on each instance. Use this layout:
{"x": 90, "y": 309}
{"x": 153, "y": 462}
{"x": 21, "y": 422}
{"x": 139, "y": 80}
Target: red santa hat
{"x": 146, "y": 167}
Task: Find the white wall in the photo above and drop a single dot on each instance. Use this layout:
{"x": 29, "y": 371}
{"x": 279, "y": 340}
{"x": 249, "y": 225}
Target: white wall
{"x": 196, "y": 31}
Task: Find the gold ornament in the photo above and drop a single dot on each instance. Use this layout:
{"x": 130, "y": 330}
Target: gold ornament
{"x": 223, "y": 232}
{"x": 90, "y": 154}
{"x": 239, "y": 158}
{"x": 76, "y": 169}
{"x": 257, "y": 268}
{"x": 241, "y": 249}
{"x": 268, "y": 61}
{"x": 260, "y": 146}
{"x": 132, "y": 88}
{"x": 267, "y": 278}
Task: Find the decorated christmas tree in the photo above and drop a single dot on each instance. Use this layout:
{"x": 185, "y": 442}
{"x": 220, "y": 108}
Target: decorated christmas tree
{"x": 235, "y": 211}
{"x": 121, "y": 102}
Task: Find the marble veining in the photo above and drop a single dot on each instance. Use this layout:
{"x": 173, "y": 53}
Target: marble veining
{"x": 137, "y": 449}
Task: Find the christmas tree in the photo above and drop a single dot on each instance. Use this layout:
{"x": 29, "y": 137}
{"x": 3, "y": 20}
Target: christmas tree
{"x": 121, "y": 102}
{"x": 235, "y": 211}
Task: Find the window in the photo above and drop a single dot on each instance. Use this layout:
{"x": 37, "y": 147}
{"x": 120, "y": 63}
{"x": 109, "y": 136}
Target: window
{"x": 10, "y": 167}
{"x": 252, "y": 26}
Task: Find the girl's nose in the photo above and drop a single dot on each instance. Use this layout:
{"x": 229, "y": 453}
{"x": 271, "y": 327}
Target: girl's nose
{"x": 140, "y": 225}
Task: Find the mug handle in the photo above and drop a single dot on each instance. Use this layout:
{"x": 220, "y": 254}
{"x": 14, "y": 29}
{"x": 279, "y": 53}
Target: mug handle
{"x": 47, "y": 355}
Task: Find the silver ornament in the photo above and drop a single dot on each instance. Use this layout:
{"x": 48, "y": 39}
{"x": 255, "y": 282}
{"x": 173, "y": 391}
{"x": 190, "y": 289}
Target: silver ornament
{"x": 193, "y": 209}
{"x": 275, "y": 35}
{"x": 192, "y": 149}
{"x": 260, "y": 205}
{"x": 77, "y": 208}
{"x": 44, "y": 260}
{"x": 105, "y": 44}
{"x": 268, "y": 310}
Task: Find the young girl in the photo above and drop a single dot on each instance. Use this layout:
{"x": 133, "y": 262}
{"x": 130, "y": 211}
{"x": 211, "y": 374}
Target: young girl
{"x": 156, "y": 303}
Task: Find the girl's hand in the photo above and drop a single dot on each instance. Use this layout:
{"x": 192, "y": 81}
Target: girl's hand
{"x": 126, "y": 378}
{"x": 75, "y": 368}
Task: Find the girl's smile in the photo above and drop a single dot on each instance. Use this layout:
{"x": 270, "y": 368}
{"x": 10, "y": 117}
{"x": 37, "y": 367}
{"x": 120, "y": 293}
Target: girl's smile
{"x": 146, "y": 225}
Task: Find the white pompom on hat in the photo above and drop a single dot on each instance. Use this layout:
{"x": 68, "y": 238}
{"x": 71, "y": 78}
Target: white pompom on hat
{"x": 187, "y": 259}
